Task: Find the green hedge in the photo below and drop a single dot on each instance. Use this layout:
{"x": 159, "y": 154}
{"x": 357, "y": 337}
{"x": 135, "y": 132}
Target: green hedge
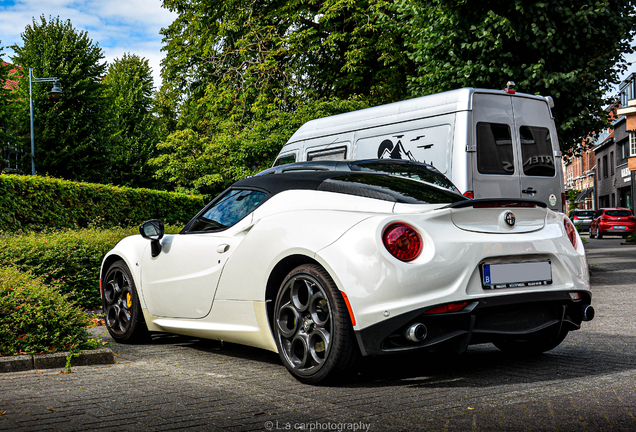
{"x": 36, "y": 203}
{"x": 71, "y": 258}
{"x": 35, "y": 317}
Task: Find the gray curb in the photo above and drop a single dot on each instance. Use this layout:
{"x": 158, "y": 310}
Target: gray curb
{"x": 55, "y": 360}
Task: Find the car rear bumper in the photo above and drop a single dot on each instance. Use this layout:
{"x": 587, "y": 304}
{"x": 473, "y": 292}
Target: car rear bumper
{"x": 611, "y": 229}
{"x": 582, "y": 224}
{"x": 480, "y": 321}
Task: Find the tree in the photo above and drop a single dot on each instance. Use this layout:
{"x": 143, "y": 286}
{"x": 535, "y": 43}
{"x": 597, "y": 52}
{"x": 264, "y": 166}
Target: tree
{"x": 70, "y": 134}
{"x": 571, "y": 50}
{"x": 6, "y": 109}
{"x": 129, "y": 90}
{"x": 197, "y": 163}
{"x": 241, "y": 64}
{"x": 242, "y": 58}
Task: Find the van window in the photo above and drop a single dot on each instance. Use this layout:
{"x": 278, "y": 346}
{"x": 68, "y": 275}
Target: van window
{"x": 494, "y": 149}
{"x": 536, "y": 151}
{"x": 338, "y": 153}
{"x": 284, "y": 160}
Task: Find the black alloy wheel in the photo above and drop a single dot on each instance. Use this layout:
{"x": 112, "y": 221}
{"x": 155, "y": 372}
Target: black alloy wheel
{"x": 122, "y": 310}
{"x": 312, "y": 327}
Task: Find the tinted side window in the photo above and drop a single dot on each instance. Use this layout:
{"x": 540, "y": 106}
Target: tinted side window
{"x": 536, "y": 151}
{"x": 228, "y": 210}
{"x": 284, "y": 160}
{"x": 494, "y": 149}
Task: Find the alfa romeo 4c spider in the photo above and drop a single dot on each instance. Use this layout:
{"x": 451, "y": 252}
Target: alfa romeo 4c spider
{"x": 325, "y": 267}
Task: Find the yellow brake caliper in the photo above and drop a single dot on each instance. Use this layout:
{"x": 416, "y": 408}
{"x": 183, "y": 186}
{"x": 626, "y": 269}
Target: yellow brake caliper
{"x": 128, "y": 300}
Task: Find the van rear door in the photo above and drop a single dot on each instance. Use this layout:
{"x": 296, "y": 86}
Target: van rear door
{"x": 539, "y": 175}
{"x": 495, "y": 162}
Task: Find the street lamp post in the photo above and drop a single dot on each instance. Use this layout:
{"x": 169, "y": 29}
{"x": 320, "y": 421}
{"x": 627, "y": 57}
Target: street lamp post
{"x": 56, "y": 93}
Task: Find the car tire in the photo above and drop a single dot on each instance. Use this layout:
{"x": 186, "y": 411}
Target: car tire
{"x": 312, "y": 327}
{"x": 532, "y": 346}
{"x": 122, "y": 309}
{"x": 591, "y": 234}
{"x": 599, "y": 235}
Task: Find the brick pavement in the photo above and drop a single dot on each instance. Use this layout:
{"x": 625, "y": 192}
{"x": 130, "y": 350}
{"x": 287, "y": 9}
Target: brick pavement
{"x": 588, "y": 383}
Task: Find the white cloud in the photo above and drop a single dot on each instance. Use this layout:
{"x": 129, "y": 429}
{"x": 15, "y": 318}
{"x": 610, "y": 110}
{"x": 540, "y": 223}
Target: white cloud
{"x": 118, "y": 27}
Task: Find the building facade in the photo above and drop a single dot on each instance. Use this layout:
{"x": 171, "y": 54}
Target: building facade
{"x": 578, "y": 175}
{"x": 625, "y": 148}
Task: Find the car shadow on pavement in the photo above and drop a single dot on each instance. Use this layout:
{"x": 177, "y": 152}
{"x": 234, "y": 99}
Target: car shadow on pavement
{"x": 581, "y": 355}
{"x": 484, "y": 365}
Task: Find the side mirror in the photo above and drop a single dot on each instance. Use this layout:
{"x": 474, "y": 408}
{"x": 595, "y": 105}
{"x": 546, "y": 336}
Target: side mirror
{"x": 153, "y": 230}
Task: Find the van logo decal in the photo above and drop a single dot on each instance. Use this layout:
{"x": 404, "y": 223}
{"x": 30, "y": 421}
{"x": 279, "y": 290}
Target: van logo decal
{"x": 388, "y": 150}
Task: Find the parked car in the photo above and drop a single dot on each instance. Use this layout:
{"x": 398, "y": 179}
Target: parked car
{"x": 582, "y": 218}
{"x": 613, "y": 221}
{"x": 325, "y": 267}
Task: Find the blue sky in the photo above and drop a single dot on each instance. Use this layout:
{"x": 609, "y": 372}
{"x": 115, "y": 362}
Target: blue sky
{"x": 128, "y": 26}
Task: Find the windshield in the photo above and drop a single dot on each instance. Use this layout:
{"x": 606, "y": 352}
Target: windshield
{"x": 389, "y": 188}
{"x": 410, "y": 170}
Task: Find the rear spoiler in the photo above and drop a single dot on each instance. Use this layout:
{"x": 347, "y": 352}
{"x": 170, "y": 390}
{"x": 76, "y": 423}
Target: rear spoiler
{"x": 499, "y": 203}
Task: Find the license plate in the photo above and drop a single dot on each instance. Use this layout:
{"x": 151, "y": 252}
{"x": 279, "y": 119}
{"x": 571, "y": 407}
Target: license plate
{"x": 619, "y": 226}
{"x": 515, "y": 275}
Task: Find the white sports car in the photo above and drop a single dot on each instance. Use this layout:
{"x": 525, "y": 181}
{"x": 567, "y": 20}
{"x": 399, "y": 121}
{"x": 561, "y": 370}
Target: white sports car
{"x": 327, "y": 266}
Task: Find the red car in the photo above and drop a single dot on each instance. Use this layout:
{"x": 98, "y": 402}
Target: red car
{"x": 613, "y": 221}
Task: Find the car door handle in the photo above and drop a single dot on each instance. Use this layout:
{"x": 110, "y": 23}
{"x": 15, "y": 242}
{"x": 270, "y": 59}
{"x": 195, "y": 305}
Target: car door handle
{"x": 222, "y": 248}
{"x": 530, "y": 190}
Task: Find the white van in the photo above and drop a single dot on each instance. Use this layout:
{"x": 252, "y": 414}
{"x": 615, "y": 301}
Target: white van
{"x": 490, "y": 143}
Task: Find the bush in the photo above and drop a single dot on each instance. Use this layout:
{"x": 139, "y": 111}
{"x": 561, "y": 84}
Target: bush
{"x": 69, "y": 258}
{"x": 35, "y": 317}
{"x": 38, "y": 203}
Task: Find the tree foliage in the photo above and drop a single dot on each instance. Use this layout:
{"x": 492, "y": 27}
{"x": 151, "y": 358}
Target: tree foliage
{"x": 571, "y": 50}
{"x": 6, "y": 107}
{"x": 207, "y": 163}
{"x": 243, "y": 58}
{"x": 70, "y": 134}
{"x": 129, "y": 93}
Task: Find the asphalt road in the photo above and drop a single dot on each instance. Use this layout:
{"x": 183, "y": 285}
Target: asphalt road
{"x": 588, "y": 383}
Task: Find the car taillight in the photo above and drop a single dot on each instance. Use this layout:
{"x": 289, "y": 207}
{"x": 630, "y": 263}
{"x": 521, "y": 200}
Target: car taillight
{"x": 570, "y": 231}
{"x": 402, "y": 241}
{"x": 469, "y": 194}
{"x": 575, "y": 218}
